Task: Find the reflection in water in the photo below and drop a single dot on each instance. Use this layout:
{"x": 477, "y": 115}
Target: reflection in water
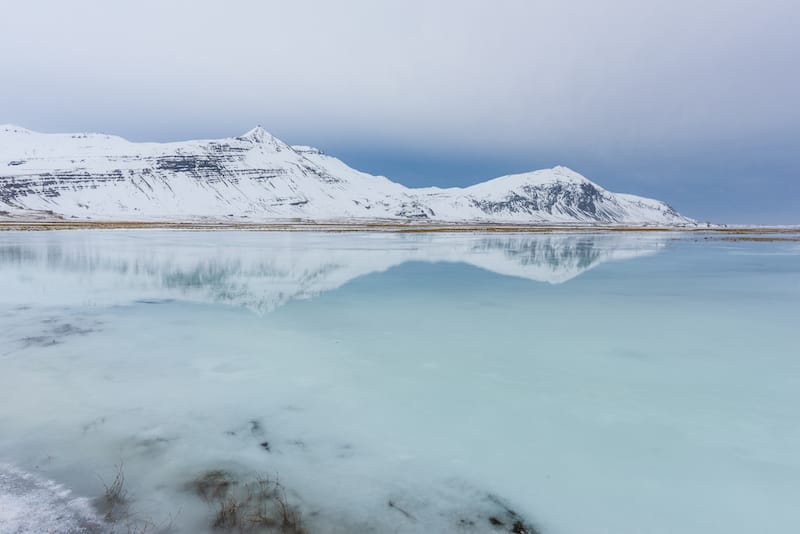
{"x": 441, "y": 399}
{"x": 262, "y": 271}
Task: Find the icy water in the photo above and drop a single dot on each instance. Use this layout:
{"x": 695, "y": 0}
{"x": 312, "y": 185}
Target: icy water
{"x": 555, "y": 383}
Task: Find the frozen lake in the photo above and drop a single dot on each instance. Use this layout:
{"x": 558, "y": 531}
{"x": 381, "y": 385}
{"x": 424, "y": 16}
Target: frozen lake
{"x": 619, "y": 383}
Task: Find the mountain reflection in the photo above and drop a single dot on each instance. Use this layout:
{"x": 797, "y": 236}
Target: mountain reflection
{"x": 262, "y": 271}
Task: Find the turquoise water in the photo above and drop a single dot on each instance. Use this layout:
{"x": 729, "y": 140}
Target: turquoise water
{"x": 619, "y": 383}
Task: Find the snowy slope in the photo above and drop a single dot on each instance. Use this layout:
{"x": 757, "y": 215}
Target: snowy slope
{"x": 259, "y": 177}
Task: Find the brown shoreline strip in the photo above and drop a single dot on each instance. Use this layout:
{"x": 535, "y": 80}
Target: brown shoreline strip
{"x": 34, "y": 225}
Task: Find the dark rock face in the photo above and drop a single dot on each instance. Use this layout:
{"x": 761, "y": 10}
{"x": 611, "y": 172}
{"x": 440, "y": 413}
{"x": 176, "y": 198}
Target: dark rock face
{"x": 579, "y": 200}
{"x": 189, "y": 163}
{"x": 587, "y": 199}
{"x": 415, "y": 210}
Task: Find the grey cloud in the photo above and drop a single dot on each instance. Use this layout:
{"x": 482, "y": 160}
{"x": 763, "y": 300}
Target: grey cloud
{"x": 580, "y": 78}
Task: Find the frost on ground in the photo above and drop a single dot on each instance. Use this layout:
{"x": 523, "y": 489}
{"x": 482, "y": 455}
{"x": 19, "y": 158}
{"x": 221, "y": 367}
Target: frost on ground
{"x": 250, "y": 504}
{"x": 31, "y": 504}
{"x": 237, "y": 503}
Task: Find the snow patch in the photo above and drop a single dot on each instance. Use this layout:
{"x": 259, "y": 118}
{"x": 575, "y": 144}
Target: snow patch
{"x": 29, "y": 503}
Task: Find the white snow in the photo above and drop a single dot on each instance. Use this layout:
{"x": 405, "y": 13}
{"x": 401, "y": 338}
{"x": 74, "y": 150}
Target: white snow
{"x": 259, "y": 177}
{"x": 30, "y": 504}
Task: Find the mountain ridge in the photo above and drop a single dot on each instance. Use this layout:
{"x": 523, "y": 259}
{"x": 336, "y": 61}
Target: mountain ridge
{"x": 257, "y": 176}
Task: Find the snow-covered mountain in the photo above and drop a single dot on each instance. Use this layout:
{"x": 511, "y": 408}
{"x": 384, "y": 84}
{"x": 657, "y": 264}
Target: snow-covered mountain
{"x": 259, "y": 177}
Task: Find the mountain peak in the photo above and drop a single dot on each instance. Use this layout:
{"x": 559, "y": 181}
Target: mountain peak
{"x": 568, "y": 174}
{"x": 258, "y": 135}
{"x": 561, "y": 169}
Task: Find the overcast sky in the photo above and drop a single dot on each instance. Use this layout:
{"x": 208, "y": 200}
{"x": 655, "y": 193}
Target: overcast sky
{"x": 693, "y": 102}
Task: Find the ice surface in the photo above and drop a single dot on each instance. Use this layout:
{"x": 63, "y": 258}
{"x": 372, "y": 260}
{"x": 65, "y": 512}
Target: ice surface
{"x": 30, "y": 504}
{"x": 589, "y": 383}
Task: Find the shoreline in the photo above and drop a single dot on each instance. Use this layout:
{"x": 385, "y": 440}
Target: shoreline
{"x": 373, "y": 226}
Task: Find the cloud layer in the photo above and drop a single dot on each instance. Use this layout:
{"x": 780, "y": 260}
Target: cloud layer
{"x": 656, "y": 95}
